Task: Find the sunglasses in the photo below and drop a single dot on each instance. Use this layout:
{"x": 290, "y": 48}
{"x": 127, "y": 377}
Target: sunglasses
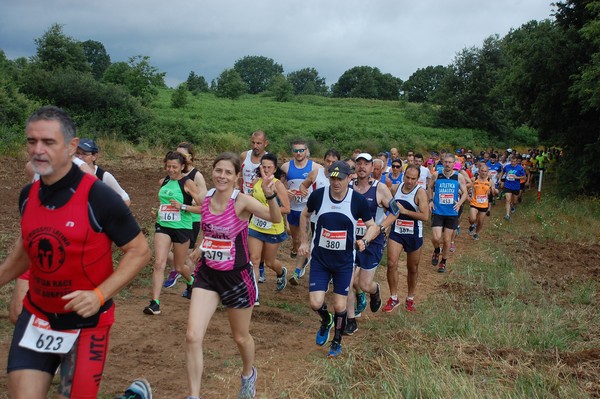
{"x": 298, "y": 150}
{"x": 396, "y": 166}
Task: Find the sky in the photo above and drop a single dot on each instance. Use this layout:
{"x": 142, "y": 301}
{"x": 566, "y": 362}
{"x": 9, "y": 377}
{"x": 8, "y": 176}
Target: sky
{"x": 332, "y": 36}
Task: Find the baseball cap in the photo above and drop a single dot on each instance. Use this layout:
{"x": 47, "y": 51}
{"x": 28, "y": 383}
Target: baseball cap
{"x": 430, "y": 161}
{"x": 88, "y": 145}
{"x": 363, "y": 155}
{"x": 509, "y": 150}
{"x": 457, "y": 165}
{"x": 339, "y": 169}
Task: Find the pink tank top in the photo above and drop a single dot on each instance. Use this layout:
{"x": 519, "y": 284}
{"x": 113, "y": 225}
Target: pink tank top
{"x": 225, "y": 242}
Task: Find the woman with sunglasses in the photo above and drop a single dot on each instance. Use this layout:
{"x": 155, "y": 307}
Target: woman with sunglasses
{"x": 395, "y": 175}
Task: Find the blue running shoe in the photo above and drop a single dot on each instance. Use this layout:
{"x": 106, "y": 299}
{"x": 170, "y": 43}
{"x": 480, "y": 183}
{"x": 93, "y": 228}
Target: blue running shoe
{"x": 172, "y": 279}
{"x": 335, "y": 349}
{"x": 139, "y": 389}
{"x": 282, "y": 280}
{"x": 323, "y": 332}
{"x": 248, "y": 388}
{"x": 361, "y": 303}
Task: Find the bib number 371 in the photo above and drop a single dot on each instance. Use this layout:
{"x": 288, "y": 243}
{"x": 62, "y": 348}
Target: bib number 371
{"x": 39, "y": 337}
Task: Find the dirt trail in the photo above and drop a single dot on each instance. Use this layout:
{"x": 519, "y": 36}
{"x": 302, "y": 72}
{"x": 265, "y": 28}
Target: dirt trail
{"x": 153, "y": 346}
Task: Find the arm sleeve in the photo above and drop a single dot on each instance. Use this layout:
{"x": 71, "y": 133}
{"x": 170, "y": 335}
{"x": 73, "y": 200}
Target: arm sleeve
{"x": 111, "y": 215}
{"x": 111, "y": 182}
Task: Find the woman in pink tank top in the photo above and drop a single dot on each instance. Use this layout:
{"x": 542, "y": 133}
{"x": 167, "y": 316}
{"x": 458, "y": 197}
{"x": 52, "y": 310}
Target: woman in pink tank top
{"x": 224, "y": 272}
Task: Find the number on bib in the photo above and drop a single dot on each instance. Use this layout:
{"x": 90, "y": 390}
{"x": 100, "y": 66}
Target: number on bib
{"x": 40, "y": 337}
{"x": 169, "y": 213}
{"x": 333, "y": 240}
{"x": 216, "y": 249}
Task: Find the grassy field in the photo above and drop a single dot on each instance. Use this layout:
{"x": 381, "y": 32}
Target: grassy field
{"x": 222, "y": 124}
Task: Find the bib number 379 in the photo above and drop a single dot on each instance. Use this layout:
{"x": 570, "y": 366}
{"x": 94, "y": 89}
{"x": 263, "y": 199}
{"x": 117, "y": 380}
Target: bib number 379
{"x": 39, "y": 337}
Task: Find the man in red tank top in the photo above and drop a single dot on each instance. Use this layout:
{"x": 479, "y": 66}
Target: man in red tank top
{"x": 69, "y": 222}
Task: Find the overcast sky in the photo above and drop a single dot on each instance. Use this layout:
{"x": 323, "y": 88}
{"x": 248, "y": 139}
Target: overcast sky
{"x": 332, "y": 36}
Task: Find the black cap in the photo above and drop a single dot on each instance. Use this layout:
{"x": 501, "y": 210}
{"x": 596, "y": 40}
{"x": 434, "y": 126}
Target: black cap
{"x": 339, "y": 169}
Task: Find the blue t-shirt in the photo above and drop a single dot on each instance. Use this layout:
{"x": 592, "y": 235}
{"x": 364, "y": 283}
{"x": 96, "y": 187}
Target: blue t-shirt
{"x": 512, "y": 174}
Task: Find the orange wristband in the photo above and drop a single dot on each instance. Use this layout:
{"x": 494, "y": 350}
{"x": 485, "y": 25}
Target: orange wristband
{"x": 97, "y": 291}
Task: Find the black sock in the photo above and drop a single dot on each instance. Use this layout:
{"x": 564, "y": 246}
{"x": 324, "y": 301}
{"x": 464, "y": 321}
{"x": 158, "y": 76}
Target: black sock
{"x": 340, "y": 325}
{"x": 443, "y": 260}
{"x": 438, "y": 250}
{"x": 325, "y": 317}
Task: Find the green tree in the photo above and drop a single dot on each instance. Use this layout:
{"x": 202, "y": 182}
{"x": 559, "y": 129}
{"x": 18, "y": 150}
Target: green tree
{"x": 196, "y": 83}
{"x": 55, "y": 50}
{"x": 257, "y": 72}
{"x": 230, "y": 85}
{"x": 179, "y": 98}
{"x": 138, "y": 76}
{"x": 307, "y": 81}
{"x": 367, "y": 82}
{"x": 282, "y": 89}
{"x": 422, "y": 86}
{"x": 97, "y": 57}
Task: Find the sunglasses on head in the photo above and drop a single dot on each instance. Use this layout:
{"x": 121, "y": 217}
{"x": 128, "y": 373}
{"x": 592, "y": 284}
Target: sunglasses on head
{"x": 298, "y": 150}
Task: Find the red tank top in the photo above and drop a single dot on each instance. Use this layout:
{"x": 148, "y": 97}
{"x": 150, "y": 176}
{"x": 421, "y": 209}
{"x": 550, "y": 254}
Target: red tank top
{"x": 65, "y": 253}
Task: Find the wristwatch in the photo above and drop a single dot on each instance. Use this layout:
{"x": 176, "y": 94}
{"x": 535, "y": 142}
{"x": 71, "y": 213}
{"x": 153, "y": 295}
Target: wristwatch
{"x": 184, "y": 207}
{"x": 366, "y": 242}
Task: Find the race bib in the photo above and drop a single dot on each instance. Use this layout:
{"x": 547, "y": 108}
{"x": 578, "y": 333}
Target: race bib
{"x": 404, "y": 226}
{"x": 510, "y": 177}
{"x": 481, "y": 199}
{"x": 333, "y": 240}
{"x": 261, "y": 223}
{"x": 298, "y": 196}
{"x": 248, "y": 188}
{"x": 494, "y": 175}
{"x": 168, "y": 213}
{"x": 446, "y": 199}
{"x": 361, "y": 229}
{"x": 39, "y": 337}
{"x": 216, "y": 249}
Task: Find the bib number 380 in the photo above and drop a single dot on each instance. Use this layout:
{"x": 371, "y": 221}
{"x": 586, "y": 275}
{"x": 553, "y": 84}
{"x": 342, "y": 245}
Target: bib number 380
{"x": 333, "y": 240}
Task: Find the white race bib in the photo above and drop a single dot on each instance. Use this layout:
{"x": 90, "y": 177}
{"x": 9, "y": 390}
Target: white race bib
{"x": 404, "y": 226}
{"x": 361, "y": 229}
{"x": 261, "y": 223}
{"x": 446, "y": 199}
{"x": 333, "y": 240}
{"x": 510, "y": 177}
{"x": 481, "y": 199}
{"x": 169, "y": 213}
{"x": 298, "y": 196}
{"x": 216, "y": 249}
{"x": 40, "y": 337}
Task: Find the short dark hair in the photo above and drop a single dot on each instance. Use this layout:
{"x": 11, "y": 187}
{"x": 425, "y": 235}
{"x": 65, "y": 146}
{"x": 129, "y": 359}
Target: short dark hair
{"x": 332, "y": 153}
{"x": 415, "y": 167}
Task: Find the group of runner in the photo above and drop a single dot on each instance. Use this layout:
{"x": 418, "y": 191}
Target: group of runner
{"x": 341, "y": 216}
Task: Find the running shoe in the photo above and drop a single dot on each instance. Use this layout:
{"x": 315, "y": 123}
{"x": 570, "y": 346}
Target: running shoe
{"x": 457, "y": 230}
{"x": 452, "y": 247}
{"x": 507, "y": 217}
{"x": 257, "y": 302}
{"x": 351, "y": 327}
{"x": 435, "y": 258}
{"x": 248, "y": 388}
{"x": 391, "y": 305}
{"x": 361, "y": 302}
{"x": 442, "y": 267}
{"x": 187, "y": 293}
{"x": 493, "y": 200}
{"x": 375, "y": 300}
{"x": 295, "y": 277}
{"x": 303, "y": 268}
{"x": 282, "y": 280}
{"x": 409, "y": 304}
{"x": 323, "y": 332}
{"x": 513, "y": 208}
{"x": 293, "y": 254}
{"x": 487, "y": 213}
{"x": 153, "y": 308}
{"x": 261, "y": 273}
{"x": 172, "y": 279}
{"x": 472, "y": 229}
{"x": 476, "y": 236}
{"x": 335, "y": 349}
{"x": 139, "y": 389}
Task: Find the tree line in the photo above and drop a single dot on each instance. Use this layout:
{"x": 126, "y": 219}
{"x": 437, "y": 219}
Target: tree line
{"x": 540, "y": 81}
